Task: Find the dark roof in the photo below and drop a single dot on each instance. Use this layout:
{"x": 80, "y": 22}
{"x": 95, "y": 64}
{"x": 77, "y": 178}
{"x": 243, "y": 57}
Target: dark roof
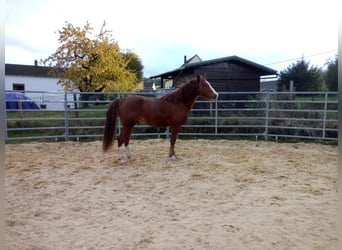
{"x": 26, "y": 70}
{"x": 262, "y": 69}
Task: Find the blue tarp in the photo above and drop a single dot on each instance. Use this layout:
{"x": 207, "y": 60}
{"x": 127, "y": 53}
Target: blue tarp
{"x": 17, "y": 100}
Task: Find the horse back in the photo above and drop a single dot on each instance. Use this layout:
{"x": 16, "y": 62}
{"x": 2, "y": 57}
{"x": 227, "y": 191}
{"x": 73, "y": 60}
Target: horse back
{"x": 151, "y": 111}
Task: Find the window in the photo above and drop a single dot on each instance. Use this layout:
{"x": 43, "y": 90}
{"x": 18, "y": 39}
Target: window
{"x": 19, "y": 86}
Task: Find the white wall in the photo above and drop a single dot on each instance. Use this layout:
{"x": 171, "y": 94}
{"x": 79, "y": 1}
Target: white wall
{"x": 34, "y": 83}
{"x": 54, "y": 100}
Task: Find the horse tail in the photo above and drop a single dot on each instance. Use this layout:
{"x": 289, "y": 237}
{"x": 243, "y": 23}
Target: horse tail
{"x": 110, "y": 125}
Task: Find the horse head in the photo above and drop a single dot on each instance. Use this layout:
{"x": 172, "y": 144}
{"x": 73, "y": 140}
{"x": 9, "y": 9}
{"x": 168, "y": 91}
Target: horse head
{"x": 205, "y": 89}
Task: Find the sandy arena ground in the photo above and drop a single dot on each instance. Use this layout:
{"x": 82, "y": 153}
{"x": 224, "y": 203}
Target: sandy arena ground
{"x": 219, "y": 194}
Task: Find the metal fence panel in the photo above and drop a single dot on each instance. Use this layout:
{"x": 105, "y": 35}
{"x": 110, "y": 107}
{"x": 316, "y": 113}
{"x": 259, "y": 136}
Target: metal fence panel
{"x": 267, "y": 115}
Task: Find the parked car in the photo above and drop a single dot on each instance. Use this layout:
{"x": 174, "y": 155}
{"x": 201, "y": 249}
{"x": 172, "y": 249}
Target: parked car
{"x": 18, "y": 100}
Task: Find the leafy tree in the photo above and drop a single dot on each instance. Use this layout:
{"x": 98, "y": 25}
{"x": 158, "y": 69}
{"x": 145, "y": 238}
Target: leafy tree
{"x": 331, "y": 75}
{"x": 91, "y": 64}
{"x": 134, "y": 65}
{"x": 304, "y": 76}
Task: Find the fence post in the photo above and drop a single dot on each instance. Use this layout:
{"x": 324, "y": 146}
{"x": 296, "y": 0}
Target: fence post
{"x": 5, "y": 122}
{"x": 325, "y": 114}
{"x": 267, "y": 99}
{"x": 216, "y": 116}
{"x": 66, "y": 119}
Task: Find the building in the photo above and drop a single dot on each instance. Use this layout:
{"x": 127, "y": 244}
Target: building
{"x": 226, "y": 74}
{"x": 36, "y": 83}
{"x": 29, "y": 78}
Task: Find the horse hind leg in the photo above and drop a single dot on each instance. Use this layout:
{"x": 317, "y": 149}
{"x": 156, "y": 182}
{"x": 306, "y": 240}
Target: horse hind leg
{"x": 124, "y": 139}
{"x": 121, "y": 158}
{"x": 127, "y": 136}
{"x": 174, "y": 132}
{"x": 129, "y": 154}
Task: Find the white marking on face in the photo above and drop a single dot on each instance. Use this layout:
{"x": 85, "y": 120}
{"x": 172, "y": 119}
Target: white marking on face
{"x": 212, "y": 89}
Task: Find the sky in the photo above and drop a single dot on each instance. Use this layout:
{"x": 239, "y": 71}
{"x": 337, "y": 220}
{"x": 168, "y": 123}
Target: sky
{"x": 161, "y": 33}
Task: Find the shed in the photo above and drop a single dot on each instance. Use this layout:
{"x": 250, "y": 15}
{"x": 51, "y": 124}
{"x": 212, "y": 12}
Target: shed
{"x": 226, "y": 74}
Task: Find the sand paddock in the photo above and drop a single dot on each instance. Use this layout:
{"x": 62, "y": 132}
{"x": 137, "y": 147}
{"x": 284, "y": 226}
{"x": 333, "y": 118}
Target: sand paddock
{"x": 219, "y": 194}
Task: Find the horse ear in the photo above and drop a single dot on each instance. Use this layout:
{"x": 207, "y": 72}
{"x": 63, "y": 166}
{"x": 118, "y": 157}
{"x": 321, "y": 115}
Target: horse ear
{"x": 198, "y": 78}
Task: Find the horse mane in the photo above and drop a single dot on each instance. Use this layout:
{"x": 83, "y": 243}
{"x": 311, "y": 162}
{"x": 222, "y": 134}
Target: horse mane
{"x": 187, "y": 93}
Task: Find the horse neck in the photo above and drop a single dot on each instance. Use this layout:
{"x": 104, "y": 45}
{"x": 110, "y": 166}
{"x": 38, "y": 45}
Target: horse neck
{"x": 190, "y": 94}
{"x": 186, "y": 94}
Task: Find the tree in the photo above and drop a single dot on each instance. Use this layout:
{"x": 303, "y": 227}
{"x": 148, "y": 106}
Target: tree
{"x": 304, "y": 76}
{"x": 331, "y": 75}
{"x": 91, "y": 64}
{"x": 134, "y": 65}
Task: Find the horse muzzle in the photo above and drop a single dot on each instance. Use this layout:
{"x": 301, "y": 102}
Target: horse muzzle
{"x": 215, "y": 96}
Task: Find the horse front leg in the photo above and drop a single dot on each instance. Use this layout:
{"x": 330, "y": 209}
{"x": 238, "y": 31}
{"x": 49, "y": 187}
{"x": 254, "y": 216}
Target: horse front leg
{"x": 174, "y": 133}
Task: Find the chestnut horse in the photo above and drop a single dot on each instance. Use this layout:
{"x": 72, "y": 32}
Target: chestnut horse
{"x": 170, "y": 110}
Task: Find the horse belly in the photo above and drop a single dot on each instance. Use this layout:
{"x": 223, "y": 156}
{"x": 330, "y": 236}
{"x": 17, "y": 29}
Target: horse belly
{"x": 160, "y": 115}
{"x": 154, "y": 119}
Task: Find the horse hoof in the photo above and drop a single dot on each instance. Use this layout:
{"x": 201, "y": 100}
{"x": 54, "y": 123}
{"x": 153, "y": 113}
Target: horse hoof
{"x": 173, "y": 158}
{"x": 123, "y": 162}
